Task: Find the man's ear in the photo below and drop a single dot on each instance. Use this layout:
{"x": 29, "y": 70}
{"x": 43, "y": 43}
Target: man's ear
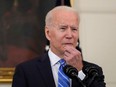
{"x": 47, "y": 33}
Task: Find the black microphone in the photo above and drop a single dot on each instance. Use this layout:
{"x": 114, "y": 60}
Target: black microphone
{"x": 72, "y": 73}
{"x": 91, "y": 72}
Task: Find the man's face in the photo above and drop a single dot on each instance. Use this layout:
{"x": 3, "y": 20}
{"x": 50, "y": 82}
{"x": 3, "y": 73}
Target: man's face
{"x": 64, "y": 32}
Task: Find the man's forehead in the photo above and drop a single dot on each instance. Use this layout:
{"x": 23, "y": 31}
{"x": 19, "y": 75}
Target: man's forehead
{"x": 67, "y": 25}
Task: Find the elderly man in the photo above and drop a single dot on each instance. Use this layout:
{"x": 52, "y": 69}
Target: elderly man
{"x": 62, "y": 31}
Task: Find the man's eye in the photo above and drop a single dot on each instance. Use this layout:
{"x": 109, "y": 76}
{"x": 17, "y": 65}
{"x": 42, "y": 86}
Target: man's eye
{"x": 63, "y": 28}
{"x": 74, "y": 29}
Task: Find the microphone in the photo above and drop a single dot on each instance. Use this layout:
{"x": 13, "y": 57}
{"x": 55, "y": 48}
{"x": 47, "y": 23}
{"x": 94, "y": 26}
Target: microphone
{"x": 72, "y": 73}
{"x": 90, "y": 71}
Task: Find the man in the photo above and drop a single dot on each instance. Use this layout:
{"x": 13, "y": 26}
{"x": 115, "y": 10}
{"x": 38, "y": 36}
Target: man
{"x": 62, "y": 31}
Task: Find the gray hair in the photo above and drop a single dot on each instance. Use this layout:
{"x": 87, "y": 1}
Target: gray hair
{"x": 50, "y": 14}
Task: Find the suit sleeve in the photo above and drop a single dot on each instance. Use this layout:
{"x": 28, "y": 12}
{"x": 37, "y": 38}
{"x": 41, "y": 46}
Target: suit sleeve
{"x": 19, "y": 79}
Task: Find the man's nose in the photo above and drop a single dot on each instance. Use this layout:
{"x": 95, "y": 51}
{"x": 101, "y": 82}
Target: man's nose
{"x": 69, "y": 33}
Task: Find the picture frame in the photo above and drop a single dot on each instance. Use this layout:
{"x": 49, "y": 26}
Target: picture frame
{"x": 21, "y": 34}
{"x": 6, "y": 75}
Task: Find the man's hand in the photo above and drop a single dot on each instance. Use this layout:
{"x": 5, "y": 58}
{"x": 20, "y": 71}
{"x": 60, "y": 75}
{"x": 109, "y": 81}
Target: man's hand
{"x": 73, "y": 57}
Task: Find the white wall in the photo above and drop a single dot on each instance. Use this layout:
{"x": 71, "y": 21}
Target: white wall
{"x": 98, "y": 35}
{"x": 98, "y": 38}
{"x": 5, "y": 84}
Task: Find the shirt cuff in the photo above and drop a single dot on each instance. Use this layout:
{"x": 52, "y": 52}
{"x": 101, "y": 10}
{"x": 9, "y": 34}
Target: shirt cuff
{"x": 81, "y": 75}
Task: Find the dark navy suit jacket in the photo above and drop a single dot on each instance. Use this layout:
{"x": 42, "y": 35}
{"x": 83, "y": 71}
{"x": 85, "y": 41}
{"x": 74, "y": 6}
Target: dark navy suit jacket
{"x": 38, "y": 73}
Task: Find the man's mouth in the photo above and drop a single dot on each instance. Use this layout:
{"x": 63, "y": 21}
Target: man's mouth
{"x": 68, "y": 43}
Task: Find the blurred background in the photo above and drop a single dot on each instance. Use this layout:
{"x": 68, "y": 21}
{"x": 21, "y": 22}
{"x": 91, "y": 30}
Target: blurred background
{"x": 22, "y": 32}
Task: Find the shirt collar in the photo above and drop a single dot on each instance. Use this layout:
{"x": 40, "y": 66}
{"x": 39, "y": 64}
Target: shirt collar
{"x": 53, "y": 58}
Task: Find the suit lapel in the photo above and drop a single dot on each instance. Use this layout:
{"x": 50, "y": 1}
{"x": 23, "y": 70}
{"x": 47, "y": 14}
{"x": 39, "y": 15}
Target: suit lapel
{"x": 45, "y": 69}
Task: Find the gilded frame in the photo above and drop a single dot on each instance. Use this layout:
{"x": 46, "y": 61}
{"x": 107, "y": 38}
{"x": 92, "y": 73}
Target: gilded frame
{"x": 6, "y": 75}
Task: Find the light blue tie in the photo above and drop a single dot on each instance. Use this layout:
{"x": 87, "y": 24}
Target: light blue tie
{"x": 63, "y": 80}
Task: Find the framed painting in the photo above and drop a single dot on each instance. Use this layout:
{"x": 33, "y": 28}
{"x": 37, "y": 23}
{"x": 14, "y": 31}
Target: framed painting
{"x": 21, "y": 33}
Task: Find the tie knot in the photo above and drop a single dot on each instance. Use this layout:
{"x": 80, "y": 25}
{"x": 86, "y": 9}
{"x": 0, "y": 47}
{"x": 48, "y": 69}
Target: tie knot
{"x": 62, "y": 62}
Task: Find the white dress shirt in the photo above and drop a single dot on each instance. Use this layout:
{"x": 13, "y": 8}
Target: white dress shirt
{"x": 55, "y": 66}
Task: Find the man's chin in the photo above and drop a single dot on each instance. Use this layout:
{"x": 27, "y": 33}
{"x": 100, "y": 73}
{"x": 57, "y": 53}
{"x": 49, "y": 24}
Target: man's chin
{"x": 71, "y": 45}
